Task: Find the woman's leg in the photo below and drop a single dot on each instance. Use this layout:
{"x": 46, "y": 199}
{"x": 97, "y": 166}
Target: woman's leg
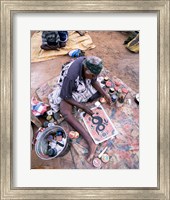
{"x": 66, "y": 111}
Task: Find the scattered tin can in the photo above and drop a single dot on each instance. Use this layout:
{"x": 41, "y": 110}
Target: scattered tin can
{"x": 56, "y": 115}
{"x": 119, "y": 91}
{"x": 58, "y": 133}
{"x": 49, "y": 138}
{"x": 105, "y": 158}
{"x": 97, "y": 163}
{"x": 52, "y": 152}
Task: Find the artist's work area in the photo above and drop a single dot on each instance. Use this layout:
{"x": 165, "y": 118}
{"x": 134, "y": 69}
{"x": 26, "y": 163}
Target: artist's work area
{"x": 114, "y": 128}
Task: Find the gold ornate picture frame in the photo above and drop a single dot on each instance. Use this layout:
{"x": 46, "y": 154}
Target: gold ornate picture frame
{"x": 8, "y": 10}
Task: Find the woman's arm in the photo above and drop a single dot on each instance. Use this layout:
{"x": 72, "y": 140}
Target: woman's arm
{"x": 79, "y": 105}
{"x": 97, "y": 86}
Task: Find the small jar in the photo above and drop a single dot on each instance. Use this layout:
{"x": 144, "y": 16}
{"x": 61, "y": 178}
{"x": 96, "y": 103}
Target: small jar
{"x": 124, "y": 92}
{"x": 49, "y": 117}
{"x": 108, "y": 84}
{"x": 114, "y": 98}
{"x": 120, "y": 101}
{"x": 111, "y": 90}
{"x": 117, "y": 83}
{"x": 106, "y": 78}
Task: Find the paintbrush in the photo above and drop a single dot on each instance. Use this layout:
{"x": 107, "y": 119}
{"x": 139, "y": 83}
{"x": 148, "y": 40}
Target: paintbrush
{"x": 100, "y": 155}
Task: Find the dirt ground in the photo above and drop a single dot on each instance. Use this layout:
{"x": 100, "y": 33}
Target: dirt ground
{"x": 116, "y": 58}
{"x": 109, "y": 46}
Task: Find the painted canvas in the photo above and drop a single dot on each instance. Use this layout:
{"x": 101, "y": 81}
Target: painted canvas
{"x": 99, "y": 125}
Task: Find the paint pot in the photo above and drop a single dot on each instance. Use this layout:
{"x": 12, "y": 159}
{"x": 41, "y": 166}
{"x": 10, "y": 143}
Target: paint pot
{"x": 116, "y": 88}
{"x": 51, "y": 124}
{"x": 49, "y": 117}
{"x": 105, "y": 158}
{"x": 120, "y": 102}
{"x": 124, "y": 90}
{"x": 49, "y": 112}
{"x": 49, "y": 138}
{"x": 73, "y": 134}
{"x": 111, "y": 90}
{"x": 106, "y": 78}
{"x": 108, "y": 84}
{"x": 45, "y": 124}
{"x": 59, "y": 133}
{"x": 52, "y": 152}
{"x": 119, "y": 92}
{"x": 97, "y": 163}
{"x": 102, "y": 100}
{"x": 51, "y": 120}
{"x": 114, "y": 98}
{"x": 56, "y": 115}
{"x": 117, "y": 83}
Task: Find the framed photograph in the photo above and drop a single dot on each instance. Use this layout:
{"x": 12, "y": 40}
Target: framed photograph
{"x": 150, "y": 180}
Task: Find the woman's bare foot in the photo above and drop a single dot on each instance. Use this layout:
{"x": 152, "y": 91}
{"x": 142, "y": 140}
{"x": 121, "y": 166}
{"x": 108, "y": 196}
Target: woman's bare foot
{"x": 92, "y": 149}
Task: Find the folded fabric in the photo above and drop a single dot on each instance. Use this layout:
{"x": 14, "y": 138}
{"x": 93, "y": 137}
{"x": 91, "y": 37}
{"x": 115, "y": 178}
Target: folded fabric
{"x": 75, "y": 41}
{"x": 37, "y": 107}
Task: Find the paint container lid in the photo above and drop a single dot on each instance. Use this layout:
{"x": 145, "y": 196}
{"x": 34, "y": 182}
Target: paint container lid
{"x": 97, "y": 162}
{"x": 108, "y": 84}
{"x": 105, "y": 158}
{"x": 56, "y": 115}
{"x": 124, "y": 90}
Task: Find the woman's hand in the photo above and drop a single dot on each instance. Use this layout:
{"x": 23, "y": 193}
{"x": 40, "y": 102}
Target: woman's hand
{"x": 107, "y": 98}
{"x": 87, "y": 110}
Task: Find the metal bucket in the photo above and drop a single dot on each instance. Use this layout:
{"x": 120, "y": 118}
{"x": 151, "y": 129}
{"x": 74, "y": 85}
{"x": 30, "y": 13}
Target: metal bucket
{"x": 43, "y": 149}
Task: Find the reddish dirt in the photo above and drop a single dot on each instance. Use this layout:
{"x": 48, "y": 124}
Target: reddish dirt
{"x": 109, "y": 46}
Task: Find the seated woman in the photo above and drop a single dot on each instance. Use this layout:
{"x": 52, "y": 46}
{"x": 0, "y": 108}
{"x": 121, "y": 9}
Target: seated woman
{"x": 53, "y": 40}
{"x": 77, "y": 84}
